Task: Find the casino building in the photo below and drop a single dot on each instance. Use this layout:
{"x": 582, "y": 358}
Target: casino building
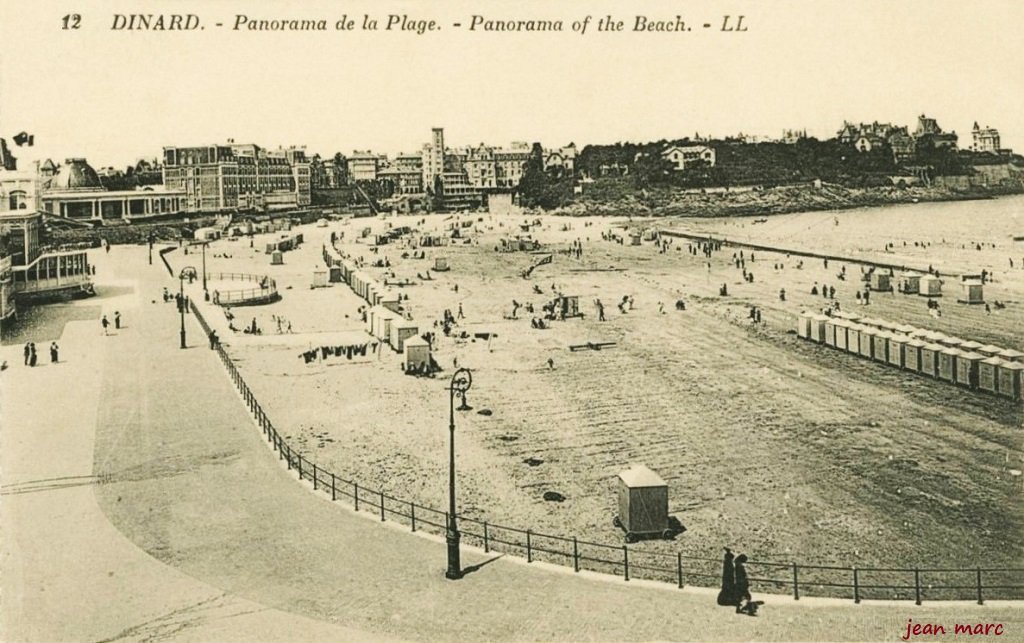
{"x": 75, "y": 192}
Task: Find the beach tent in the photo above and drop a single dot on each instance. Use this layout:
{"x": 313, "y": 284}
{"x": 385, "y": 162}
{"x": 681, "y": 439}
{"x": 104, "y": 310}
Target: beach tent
{"x": 1010, "y": 379}
{"x": 417, "y": 353}
{"x": 911, "y": 283}
{"x": 803, "y": 324}
{"x": 988, "y": 374}
{"x": 972, "y": 292}
{"x": 896, "y": 349}
{"x": 643, "y": 502}
{"x": 880, "y": 281}
{"x": 818, "y": 328}
{"x": 947, "y": 363}
{"x": 929, "y": 359}
{"x": 967, "y": 368}
{"x": 912, "y": 355}
{"x": 931, "y": 286}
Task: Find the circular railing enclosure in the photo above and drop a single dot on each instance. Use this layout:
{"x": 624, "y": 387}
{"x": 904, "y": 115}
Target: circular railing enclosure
{"x": 265, "y": 291}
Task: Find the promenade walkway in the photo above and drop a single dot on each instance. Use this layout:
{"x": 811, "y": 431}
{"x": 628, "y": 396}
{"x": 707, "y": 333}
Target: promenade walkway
{"x": 140, "y": 503}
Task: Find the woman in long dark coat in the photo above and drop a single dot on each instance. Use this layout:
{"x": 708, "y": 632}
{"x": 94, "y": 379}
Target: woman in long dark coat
{"x": 742, "y": 585}
{"x": 727, "y": 595}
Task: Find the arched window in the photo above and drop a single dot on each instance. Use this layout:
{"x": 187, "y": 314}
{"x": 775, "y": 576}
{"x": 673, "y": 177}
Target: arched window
{"x": 17, "y": 200}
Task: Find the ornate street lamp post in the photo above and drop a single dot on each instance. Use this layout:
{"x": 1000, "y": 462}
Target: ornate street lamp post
{"x": 188, "y": 272}
{"x": 461, "y": 381}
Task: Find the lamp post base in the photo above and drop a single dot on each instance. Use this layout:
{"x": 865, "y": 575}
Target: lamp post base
{"x": 454, "y": 571}
{"x": 183, "y": 339}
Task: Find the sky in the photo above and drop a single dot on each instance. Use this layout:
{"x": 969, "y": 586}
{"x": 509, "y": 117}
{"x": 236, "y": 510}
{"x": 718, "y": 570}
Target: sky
{"x": 115, "y": 96}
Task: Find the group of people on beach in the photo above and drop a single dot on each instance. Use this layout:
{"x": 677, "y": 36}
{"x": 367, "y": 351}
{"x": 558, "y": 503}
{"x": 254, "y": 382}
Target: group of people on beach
{"x": 30, "y": 353}
{"x": 735, "y": 590}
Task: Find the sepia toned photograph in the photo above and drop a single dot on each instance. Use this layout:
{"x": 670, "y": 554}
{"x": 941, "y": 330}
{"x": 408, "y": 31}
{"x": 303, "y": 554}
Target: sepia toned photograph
{"x": 330, "y": 320}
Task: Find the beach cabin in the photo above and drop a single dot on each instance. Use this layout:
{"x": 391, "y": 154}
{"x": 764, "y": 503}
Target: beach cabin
{"x": 848, "y": 316}
{"x": 634, "y": 238}
{"x": 912, "y": 355}
{"x": 988, "y": 374}
{"x": 417, "y": 354}
{"x": 206, "y": 234}
{"x": 989, "y": 350}
{"x": 818, "y": 328}
{"x": 401, "y": 331}
{"x": 382, "y": 318}
{"x": 951, "y": 342}
{"x": 440, "y": 264}
{"x": 967, "y": 368}
{"x": 1010, "y": 355}
{"x": 867, "y": 340}
{"x": 905, "y": 329}
{"x": 853, "y": 338}
{"x": 803, "y": 325}
{"x": 911, "y": 283}
{"x": 842, "y": 326}
{"x": 277, "y": 258}
{"x": 1010, "y": 374}
{"x": 896, "y": 343}
{"x": 319, "y": 279}
{"x": 929, "y": 359}
{"x": 880, "y": 281}
{"x": 643, "y": 503}
{"x": 971, "y": 292}
{"x": 930, "y": 286}
{"x": 970, "y": 346}
{"x": 947, "y": 364}
{"x": 830, "y": 331}
{"x": 880, "y": 346}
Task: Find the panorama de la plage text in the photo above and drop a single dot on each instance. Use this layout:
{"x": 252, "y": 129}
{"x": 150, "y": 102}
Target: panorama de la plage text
{"x": 406, "y": 23}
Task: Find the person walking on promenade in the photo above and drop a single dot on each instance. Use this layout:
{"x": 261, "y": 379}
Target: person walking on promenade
{"x": 28, "y": 351}
{"x": 54, "y": 353}
{"x": 213, "y": 339}
{"x": 32, "y": 354}
{"x": 727, "y": 594}
{"x": 743, "y": 599}
{"x": 117, "y": 319}
{"x": 106, "y": 324}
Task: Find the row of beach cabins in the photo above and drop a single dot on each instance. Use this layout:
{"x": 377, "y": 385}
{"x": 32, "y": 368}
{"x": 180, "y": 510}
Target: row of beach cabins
{"x": 961, "y": 362}
{"x": 383, "y": 319}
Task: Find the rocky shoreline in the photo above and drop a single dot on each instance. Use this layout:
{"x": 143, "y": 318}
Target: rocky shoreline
{"x": 782, "y": 200}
